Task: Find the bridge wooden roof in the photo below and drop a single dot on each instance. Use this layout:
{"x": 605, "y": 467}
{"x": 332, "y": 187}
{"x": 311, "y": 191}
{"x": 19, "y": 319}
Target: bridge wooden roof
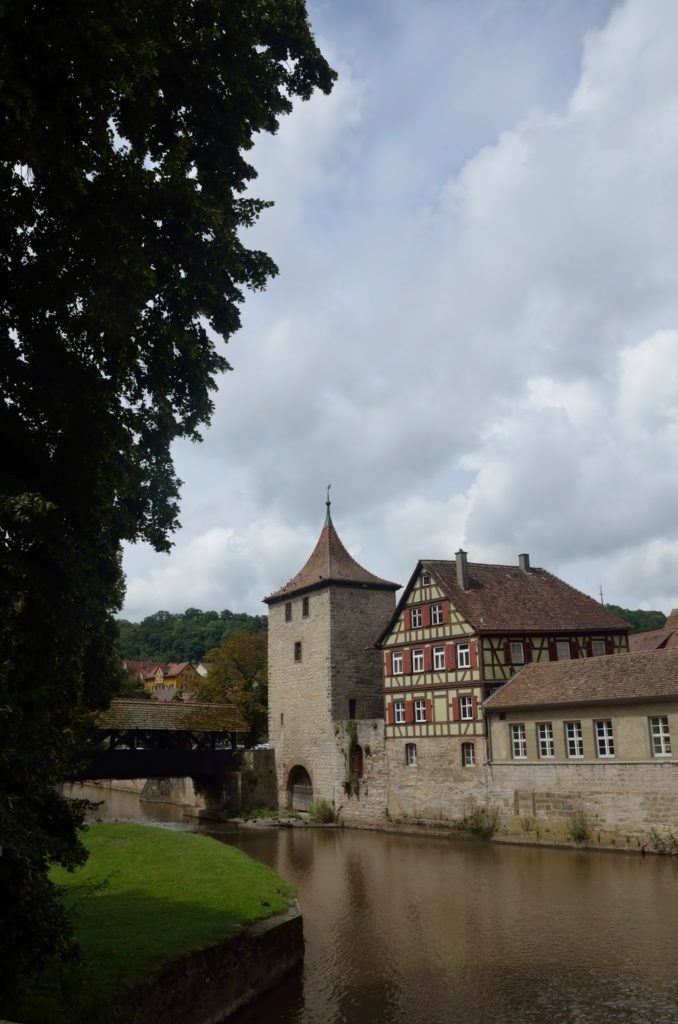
{"x": 171, "y": 716}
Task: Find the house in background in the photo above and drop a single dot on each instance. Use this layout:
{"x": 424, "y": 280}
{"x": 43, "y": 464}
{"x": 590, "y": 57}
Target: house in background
{"x": 657, "y": 639}
{"x": 165, "y": 680}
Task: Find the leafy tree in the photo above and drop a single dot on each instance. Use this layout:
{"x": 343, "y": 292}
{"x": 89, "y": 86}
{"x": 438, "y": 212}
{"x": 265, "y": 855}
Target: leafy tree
{"x": 641, "y": 621}
{"x": 165, "y": 636}
{"x": 125, "y": 127}
{"x": 239, "y": 675}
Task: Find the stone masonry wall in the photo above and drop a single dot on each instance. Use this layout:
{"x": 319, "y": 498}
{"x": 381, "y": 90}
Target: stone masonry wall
{"x": 364, "y": 804}
{"x": 358, "y": 616}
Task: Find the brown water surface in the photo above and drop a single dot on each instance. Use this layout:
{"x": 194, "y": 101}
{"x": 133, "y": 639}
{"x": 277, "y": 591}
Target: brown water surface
{"x": 407, "y": 929}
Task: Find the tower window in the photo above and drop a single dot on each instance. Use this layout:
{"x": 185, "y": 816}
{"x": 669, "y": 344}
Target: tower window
{"x": 288, "y": 611}
{"x": 411, "y": 755}
{"x": 352, "y": 707}
{"x": 304, "y": 608}
{"x": 297, "y": 650}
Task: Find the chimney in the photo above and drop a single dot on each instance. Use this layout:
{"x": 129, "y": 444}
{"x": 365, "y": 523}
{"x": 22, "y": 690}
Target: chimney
{"x": 462, "y": 569}
{"x": 524, "y": 562}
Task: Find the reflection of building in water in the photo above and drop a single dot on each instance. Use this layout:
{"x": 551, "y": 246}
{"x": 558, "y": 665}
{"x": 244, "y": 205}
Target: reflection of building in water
{"x": 380, "y": 709}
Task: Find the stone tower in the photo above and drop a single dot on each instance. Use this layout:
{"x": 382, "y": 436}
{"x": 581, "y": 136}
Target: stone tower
{"x": 323, "y": 667}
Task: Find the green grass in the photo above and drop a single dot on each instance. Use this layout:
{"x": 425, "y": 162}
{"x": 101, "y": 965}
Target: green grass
{"x": 147, "y": 895}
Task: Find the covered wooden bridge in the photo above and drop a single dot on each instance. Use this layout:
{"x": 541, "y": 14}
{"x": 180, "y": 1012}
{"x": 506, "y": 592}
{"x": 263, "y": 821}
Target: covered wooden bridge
{"x": 153, "y": 739}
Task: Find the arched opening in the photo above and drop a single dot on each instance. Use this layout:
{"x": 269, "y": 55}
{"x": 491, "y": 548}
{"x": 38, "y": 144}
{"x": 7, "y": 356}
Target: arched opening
{"x": 357, "y": 762}
{"x": 299, "y": 789}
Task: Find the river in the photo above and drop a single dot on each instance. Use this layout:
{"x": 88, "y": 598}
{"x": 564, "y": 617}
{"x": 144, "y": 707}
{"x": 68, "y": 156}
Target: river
{"x": 408, "y": 929}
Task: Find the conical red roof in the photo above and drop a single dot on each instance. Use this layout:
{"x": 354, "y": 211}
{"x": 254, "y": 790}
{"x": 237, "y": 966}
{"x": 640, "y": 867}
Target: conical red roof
{"x": 330, "y": 562}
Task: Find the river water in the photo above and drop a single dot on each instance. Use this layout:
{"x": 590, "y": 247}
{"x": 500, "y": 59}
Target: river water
{"x": 408, "y": 929}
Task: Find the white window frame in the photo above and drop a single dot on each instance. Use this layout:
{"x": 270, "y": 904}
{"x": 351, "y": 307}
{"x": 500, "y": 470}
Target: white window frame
{"x": 418, "y": 660}
{"x": 546, "y": 744}
{"x": 436, "y": 615}
{"x": 517, "y": 648}
{"x": 411, "y": 755}
{"x": 398, "y": 712}
{"x": 416, "y": 618}
{"x": 660, "y": 735}
{"x": 438, "y": 659}
{"x": 563, "y": 645}
{"x": 463, "y": 655}
{"x": 420, "y": 710}
{"x": 598, "y": 643}
{"x": 574, "y": 740}
{"x": 604, "y": 737}
{"x": 518, "y": 741}
{"x": 397, "y": 663}
{"x": 466, "y": 709}
{"x": 426, "y": 579}
{"x": 468, "y": 755}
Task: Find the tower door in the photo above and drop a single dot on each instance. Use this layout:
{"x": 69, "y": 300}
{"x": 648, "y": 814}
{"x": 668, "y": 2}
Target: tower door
{"x": 300, "y": 789}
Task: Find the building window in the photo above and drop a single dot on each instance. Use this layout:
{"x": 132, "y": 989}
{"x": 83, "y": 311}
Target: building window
{"x": 436, "y": 615}
{"x": 438, "y": 658}
{"x": 397, "y": 663}
{"x": 417, "y": 661}
{"x": 517, "y": 652}
{"x": 466, "y": 709}
{"x": 352, "y": 707}
{"x": 288, "y": 611}
{"x": 425, "y": 580}
{"x": 399, "y": 712}
{"x": 518, "y": 742}
{"x": 415, "y": 618}
{"x": 304, "y": 608}
{"x": 282, "y": 718}
{"x": 420, "y": 710}
{"x": 297, "y": 650}
{"x": 545, "y": 743}
{"x": 410, "y": 754}
{"x": 660, "y": 736}
{"x": 604, "y": 738}
{"x": 468, "y": 755}
{"x": 574, "y": 741}
{"x": 463, "y": 655}
{"x": 563, "y": 650}
{"x": 598, "y": 647}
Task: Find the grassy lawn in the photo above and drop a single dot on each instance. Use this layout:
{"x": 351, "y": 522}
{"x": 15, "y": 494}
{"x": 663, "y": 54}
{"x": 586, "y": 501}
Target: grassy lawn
{"x": 149, "y": 894}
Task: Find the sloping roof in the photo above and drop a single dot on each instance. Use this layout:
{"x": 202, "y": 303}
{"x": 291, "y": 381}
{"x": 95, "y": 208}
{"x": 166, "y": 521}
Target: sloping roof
{"x": 145, "y": 669}
{"x": 175, "y": 668}
{"x": 178, "y": 716}
{"x": 605, "y": 679}
{"x": 507, "y": 599}
{"x": 657, "y": 639}
{"x": 330, "y": 562}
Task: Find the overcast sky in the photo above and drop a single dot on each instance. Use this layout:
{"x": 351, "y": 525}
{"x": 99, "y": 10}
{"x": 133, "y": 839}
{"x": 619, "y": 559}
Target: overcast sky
{"x": 474, "y": 334}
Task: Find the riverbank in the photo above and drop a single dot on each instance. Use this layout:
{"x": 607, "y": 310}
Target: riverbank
{"x": 147, "y": 899}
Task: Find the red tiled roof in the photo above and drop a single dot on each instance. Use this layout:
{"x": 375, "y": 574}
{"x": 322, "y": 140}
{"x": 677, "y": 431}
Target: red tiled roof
{"x": 507, "y": 599}
{"x": 657, "y": 639}
{"x": 608, "y": 678}
{"x": 175, "y": 668}
{"x": 179, "y": 716}
{"x": 145, "y": 669}
{"x": 330, "y": 562}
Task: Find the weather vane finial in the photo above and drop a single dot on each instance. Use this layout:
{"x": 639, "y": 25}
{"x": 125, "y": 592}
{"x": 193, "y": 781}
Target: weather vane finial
{"x": 327, "y": 501}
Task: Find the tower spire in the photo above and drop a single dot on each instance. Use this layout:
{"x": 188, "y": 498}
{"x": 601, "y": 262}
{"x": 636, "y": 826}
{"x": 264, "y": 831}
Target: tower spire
{"x": 328, "y": 517}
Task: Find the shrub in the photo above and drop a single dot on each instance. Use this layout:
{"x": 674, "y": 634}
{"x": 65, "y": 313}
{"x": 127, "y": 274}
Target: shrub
{"x": 578, "y": 827}
{"x": 321, "y": 810}
{"x": 480, "y": 821}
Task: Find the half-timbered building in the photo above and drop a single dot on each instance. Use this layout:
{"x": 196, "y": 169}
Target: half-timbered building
{"x": 461, "y": 629}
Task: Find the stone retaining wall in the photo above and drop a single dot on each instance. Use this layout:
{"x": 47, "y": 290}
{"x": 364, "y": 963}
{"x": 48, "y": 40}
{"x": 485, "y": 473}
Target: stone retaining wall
{"x": 208, "y": 985}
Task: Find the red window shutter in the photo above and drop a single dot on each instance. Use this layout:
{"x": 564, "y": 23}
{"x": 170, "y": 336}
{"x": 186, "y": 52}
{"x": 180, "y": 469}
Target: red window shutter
{"x": 408, "y": 619}
{"x": 574, "y": 649}
{"x": 508, "y": 660}
{"x": 474, "y": 706}
{"x": 609, "y": 645}
{"x": 428, "y": 660}
{"x": 426, "y": 615}
{"x": 390, "y": 713}
{"x": 450, "y": 657}
{"x": 553, "y": 651}
{"x": 455, "y": 709}
{"x": 589, "y": 648}
{"x": 407, "y": 662}
{"x": 388, "y": 670}
{"x": 473, "y": 651}
{"x": 446, "y": 612}
{"x": 527, "y": 646}
{"x": 409, "y": 712}
{"x": 429, "y": 710}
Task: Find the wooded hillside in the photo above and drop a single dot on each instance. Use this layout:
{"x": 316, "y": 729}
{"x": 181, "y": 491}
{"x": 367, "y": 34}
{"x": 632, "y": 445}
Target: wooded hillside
{"x": 640, "y": 620}
{"x": 183, "y": 636}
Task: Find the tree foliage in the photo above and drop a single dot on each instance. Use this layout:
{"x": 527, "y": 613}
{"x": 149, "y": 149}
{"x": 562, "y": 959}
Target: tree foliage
{"x": 187, "y": 636}
{"x": 239, "y": 675}
{"x": 641, "y": 621}
{"x": 124, "y": 132}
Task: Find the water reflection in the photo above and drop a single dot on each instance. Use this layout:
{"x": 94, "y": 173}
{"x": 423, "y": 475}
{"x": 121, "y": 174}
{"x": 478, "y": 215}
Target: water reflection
{"x": 403, "y": 929}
